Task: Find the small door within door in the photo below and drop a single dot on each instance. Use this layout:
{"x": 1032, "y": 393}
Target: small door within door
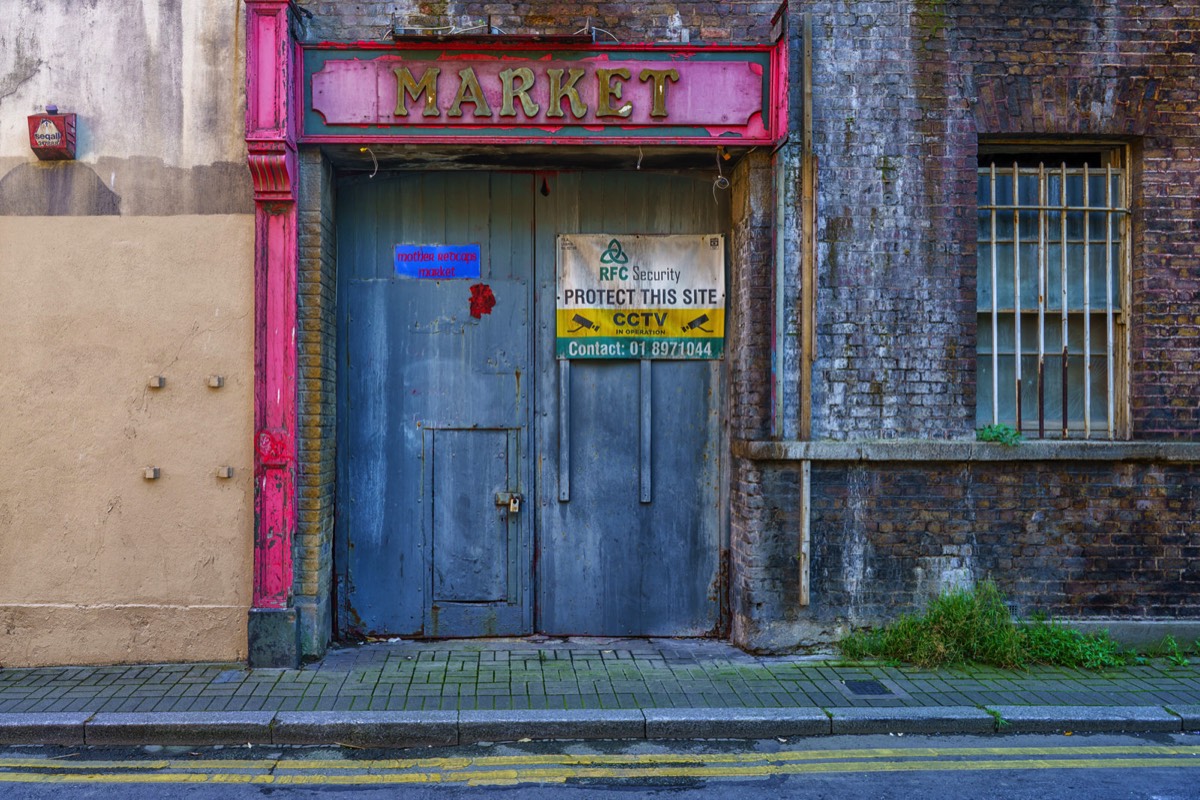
{"x": 477, "y": 559}
{"x": 434, "y": 408}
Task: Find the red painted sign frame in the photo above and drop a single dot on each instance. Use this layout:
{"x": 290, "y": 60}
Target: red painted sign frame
{"x": 770, "y": 129}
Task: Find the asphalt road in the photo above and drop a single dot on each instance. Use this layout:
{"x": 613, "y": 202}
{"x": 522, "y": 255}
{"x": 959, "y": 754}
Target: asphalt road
{"x": 1162, "y": 767}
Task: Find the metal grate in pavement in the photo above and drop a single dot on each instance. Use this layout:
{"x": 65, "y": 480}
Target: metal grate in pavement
{"x": 867, "y": 688}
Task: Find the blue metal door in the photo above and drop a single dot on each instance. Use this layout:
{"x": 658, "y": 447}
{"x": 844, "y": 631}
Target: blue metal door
{"x": 433, "y": 536}
{"x": 457, "y": 473}
{"x": 632, "y": 522}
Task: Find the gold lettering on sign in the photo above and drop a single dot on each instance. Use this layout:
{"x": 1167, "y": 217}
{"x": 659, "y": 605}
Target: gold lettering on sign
{"x": 559, "y": 90}
{"x": 521, "y": 92}
{"x": 406, "y": 84}
{"x": 610, "y": 91}
{"x": 660, "y": 78}
{"x": 469, "y": 91}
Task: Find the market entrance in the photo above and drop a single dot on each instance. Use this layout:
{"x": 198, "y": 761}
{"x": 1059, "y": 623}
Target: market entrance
{"x": 485, "y": 486}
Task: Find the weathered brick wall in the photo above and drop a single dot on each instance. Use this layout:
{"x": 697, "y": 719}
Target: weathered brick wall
{"x": 1078, "y": 540}
{"x": 761, "y": 562}
{"x": 764, "y": 597}
{"x": 317, "y": 379}
{"x": 732, "y": 21}
{"x": 1127, "y": 70}
{"x": 896, "y": 290}
{"x": 903, "y": 91}
{"x": 748, "y": 330}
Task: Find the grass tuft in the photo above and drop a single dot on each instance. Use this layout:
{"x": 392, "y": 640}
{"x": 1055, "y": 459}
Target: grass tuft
{"x": 975, "y": 627}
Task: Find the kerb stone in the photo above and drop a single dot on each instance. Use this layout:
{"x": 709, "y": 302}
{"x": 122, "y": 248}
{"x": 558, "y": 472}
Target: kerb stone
{"x": 1086, "y": 719}
{"x": 44, "y": 728}
{"x": 502, "y": 726}
{"x": 367, "y": 728}
{"x": 734, "y": 723}
{"x": 180, "y": 728}
{"x": 901, "y": 719}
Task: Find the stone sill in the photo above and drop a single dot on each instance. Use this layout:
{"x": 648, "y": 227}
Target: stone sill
{"x": 960, "y": 451}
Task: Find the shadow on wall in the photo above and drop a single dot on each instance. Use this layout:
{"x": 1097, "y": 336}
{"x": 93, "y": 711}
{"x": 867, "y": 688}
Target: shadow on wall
{"x": 65, "y": 188}
{"x": 148, "y": 188}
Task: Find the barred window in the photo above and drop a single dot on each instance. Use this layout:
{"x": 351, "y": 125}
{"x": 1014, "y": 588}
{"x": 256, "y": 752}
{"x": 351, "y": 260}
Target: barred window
{"x": 1053, "y": 251}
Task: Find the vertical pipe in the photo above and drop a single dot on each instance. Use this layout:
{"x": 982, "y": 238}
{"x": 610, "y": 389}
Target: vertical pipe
{"x": 1108, "y": 280}
{"x": 805, "y": 528}
{"x": 1087, "y": 308}
{"x": 808, "y": 237}
{"x": 1017, "y": 285}
{"x": 1063, "y": 276}
{"x": 1041, "y": 303}
{"x": 644, "y": 409}
{"x": 995, "y": 309}
{"x": 808, "y": 182}
{"x": 564, "y": 431}
{"x": 779, "y": 391}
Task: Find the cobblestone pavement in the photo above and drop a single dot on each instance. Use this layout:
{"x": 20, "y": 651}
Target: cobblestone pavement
{"x": 574, "y": 673}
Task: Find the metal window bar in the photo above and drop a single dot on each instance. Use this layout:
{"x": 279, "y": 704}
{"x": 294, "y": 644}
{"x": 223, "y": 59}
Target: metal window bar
{"x": 1046, "y": 210}
{"x": 995, "y": 311}
{"x": 1041, "y": 304}
{"x": 1016, "y": 289}
{"x": 1062, "y": 229}
{"x": 1108, "y": 307}
{"x": 1087, "y": 312}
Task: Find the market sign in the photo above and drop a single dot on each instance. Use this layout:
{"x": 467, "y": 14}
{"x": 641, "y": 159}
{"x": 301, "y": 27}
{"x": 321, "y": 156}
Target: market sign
{"x": 640, "y": 296}
{"x": 626, "y": 94}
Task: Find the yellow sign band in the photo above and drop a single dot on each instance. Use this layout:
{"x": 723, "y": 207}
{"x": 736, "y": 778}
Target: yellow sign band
{"x": 643, "y": 323}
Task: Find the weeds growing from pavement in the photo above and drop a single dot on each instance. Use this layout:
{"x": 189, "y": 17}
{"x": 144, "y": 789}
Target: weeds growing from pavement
{"x": 974, "y": 626}
{"x": 1171, "y": 651}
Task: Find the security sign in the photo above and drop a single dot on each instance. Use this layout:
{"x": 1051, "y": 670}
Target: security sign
{"x": 641, "y": 296}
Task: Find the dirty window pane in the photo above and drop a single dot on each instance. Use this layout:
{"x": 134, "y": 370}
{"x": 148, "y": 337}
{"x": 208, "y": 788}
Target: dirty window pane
{"x": 1064, "y": 232}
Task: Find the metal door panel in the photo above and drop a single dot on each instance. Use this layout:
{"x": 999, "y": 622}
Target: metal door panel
{"x": 414, "y": 362}
{"x": 427, "y": 393}
{"x": 471, "y": 553}
{"x": 480, "y": 559}
{"x": 610, "y": 563}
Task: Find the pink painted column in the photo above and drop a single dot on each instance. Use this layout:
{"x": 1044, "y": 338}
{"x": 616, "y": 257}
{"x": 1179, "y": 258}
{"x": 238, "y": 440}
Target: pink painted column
{"x": 272, "y": 158}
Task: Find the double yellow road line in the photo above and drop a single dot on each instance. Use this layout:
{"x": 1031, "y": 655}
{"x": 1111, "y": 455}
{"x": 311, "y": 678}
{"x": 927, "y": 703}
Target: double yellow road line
{"x": 563, "y": 767}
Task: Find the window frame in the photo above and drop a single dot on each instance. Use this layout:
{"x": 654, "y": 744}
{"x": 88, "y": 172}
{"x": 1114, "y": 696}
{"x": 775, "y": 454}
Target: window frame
{"x": 1051, "y": 157}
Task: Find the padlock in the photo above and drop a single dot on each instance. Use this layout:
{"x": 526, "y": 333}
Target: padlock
{"x": 514, "y": 504}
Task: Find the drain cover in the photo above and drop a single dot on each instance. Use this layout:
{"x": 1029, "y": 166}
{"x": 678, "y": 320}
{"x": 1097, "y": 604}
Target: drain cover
{"x": 867, "y": 688}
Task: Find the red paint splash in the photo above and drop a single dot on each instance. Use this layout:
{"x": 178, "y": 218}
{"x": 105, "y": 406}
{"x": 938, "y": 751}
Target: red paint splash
{"x": 482, "y": 300}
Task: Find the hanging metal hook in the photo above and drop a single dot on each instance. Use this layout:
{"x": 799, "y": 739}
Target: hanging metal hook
{"x": 719, "y": 182}
{"x": 373, "y": 160}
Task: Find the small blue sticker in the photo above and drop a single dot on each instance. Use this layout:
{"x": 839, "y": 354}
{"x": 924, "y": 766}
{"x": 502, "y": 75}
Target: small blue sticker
{"x": 437, "y": 262}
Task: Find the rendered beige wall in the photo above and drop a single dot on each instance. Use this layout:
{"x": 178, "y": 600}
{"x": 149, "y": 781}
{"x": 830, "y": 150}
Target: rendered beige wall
{"x": 99, "y": 564}
{"x": 136, "y": 259}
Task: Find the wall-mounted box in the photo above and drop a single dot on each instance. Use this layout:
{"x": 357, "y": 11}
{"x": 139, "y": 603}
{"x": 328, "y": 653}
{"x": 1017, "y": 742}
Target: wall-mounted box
{"x": 52, "y": 135}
